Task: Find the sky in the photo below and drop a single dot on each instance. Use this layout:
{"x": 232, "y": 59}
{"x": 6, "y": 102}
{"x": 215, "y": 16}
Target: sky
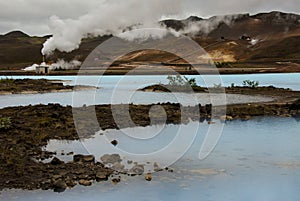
{"x": 33, "y": 16}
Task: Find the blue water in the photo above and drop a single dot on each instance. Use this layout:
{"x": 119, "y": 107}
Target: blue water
{"x": 254, "y": 160}
{"x": 121, "y": 89}
{"x": 285, "y": 80}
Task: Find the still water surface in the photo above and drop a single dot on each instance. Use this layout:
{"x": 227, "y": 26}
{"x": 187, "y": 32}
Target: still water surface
{"x": 117, "y": 89}
{"x": 254, "y": 160}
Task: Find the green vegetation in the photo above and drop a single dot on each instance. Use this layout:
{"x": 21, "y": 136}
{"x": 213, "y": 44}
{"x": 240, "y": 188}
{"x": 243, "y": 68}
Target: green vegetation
{"x": 222, "y": 64}
{"x": 179, "y": 80}
{"x": 5, "y": 123}
{"x": 177, "y": 83}
{"x": 6, "y": 81}
{"x": 251, "y": 84}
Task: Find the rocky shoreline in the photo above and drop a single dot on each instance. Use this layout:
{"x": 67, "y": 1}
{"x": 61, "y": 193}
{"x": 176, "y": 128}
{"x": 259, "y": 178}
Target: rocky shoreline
{"x": 32, "y": 86}
{"x": 27, "y": 129}
{"x": 245, "y": 90}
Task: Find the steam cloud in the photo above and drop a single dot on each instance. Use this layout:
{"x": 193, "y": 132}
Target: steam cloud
{"x": 111, "y": 17}
{"x": 59, "y": 64}
{"x": 116, "y": 16}
{"x": 207, "y": 25}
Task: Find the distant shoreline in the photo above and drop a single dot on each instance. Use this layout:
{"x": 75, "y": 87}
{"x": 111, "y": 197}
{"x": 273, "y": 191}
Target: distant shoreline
{"x": 109, "y": 72}
{"x": 36, "y": 86}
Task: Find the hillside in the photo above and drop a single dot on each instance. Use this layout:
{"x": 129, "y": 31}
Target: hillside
{"x": 264, "y": 37}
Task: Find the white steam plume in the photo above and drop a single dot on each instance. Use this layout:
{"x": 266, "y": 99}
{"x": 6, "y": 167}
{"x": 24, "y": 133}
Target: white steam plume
{"x": 110, "y": 17}
{"x": 205, "y": 26}
{"x": 60, "y": 64}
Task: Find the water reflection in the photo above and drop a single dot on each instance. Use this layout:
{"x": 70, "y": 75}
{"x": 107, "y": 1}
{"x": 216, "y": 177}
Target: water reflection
{"x": 255, "y": 160}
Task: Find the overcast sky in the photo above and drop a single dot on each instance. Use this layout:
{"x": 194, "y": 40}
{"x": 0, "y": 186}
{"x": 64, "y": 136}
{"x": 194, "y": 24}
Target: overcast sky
{"x": 32, "y": 16}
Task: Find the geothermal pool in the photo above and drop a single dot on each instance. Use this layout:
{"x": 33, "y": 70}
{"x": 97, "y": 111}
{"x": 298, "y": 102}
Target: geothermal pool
{"x": 257, "y": 159}
{"x": 254, "y": 160}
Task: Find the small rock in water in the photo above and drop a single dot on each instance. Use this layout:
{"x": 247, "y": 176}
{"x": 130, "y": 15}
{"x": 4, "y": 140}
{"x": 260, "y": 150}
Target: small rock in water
{"x": 148, "y": 177}
{"x": 169, "y": 170}
{"x": 84, "y": 182}
{"x": 114, "y": 142}
{"x": 116, "y": 180}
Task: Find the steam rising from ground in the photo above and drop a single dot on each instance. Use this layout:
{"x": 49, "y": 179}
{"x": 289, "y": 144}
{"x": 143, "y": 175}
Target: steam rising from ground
{"x": 60, "y": 64}
{"x": 111, "y": 17}
{"x": 207, "y": 25}
{"x": 116, "y": 16}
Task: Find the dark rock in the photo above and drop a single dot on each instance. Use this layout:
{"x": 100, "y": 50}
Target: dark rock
{"x": 84, "y": 158}
{"x": 56, "y": 161}
{"x": 59, "y": 186}
{"x": 114, "y": 142}
{"x": 148, "y": 177}
{"x": 101, "y": 176}
{"x": 116, "y": 180}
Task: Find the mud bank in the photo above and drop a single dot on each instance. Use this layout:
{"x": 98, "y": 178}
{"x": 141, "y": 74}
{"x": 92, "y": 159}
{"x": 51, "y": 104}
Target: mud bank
{"x": 30, "y": 128}
{"x": 32, "y": 86}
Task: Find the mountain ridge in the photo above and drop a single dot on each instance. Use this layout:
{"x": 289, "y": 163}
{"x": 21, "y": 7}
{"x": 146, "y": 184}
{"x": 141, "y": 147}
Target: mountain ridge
{"x": 242, "y": 38}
